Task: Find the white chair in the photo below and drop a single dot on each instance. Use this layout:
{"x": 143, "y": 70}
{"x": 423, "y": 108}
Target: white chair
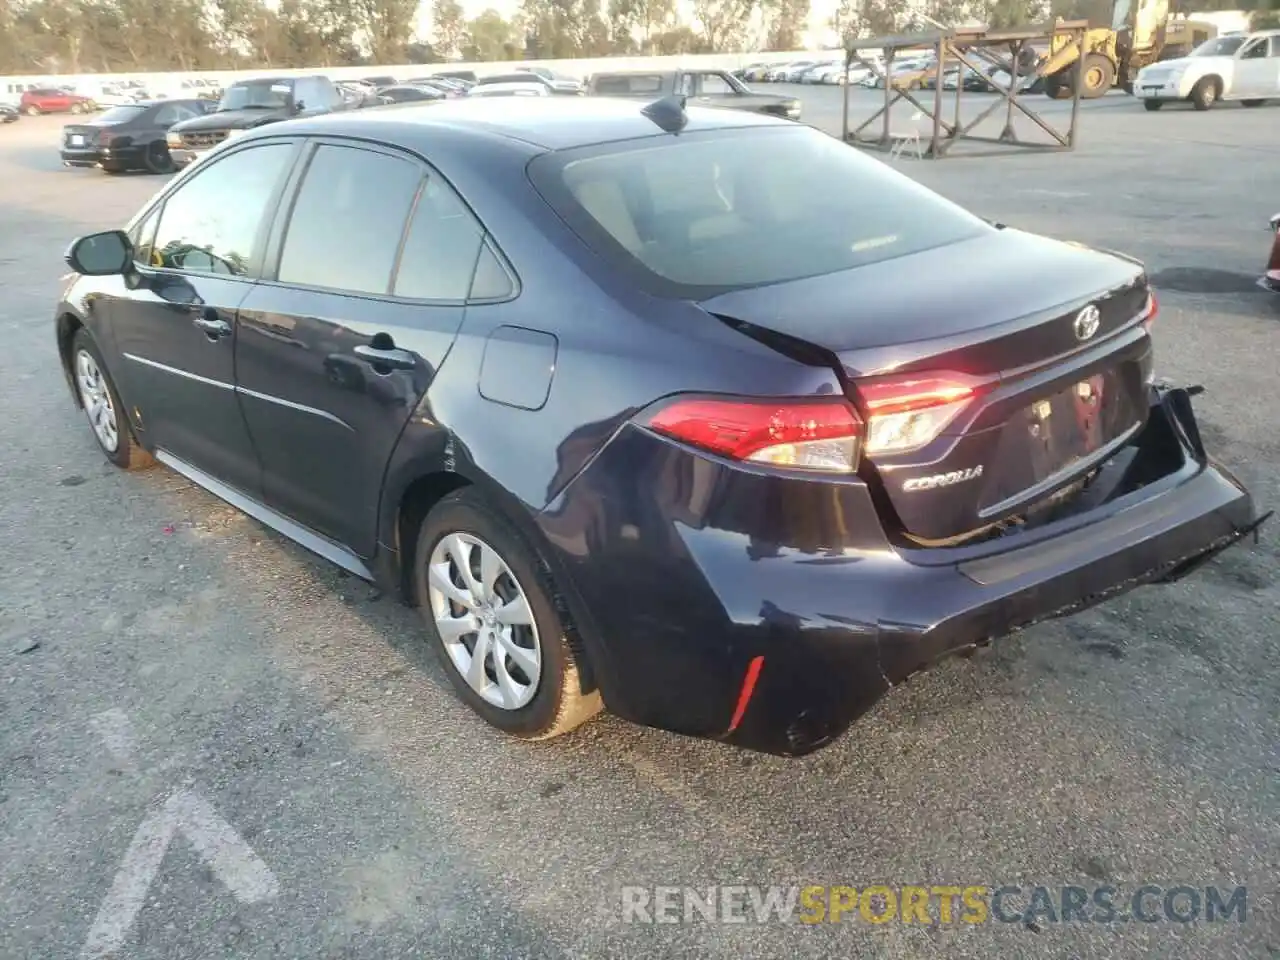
{"x": 905, "y": 139}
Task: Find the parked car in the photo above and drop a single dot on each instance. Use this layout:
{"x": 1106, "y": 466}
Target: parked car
{"x": 731, "y": 465}
{"x": 512, "y": 89}
{"x": 705, "y": 88}
{"x": 791, "y": 72}
{"x": 1233, "y": 67}
{"x": 467, "y": 76}
{"x": 253, "y": 103}
{"x": 107, "y": 94}
{"x": 53, "y": 100}
{"x": 129, "y": 137}
{"x": 526, "y": 77}
{"x": 8, "y": 113}
{"x": 1271, "y": 276}
{"x": 358, "y": 94}
{"x": 449, "y": 88}
{"x": 559, "y": 82}
{"x": 409, "y": 93}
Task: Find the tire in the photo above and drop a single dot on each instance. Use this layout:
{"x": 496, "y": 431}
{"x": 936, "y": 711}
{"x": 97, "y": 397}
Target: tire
{"x": 539, "y": 706}
{"x": 1252, "y": 103}
{"x": 1152, "y": 105}
{"x": 1056, "y": 87}
{"x": 126, "y": 453}
{"x": 31, "y": 110}
{"x": 1205, "y": 93}
{"x": 1099, "y": 76}
{"x": 157, "y": 159}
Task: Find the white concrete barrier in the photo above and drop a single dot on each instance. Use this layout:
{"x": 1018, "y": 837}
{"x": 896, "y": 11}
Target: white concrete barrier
{"x": 11, "y": 87}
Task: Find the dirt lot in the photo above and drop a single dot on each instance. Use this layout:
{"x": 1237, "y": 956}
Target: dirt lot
{"x": 335, "y": 800}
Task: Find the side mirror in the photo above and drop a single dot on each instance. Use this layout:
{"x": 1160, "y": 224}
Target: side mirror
{"x": 101, "y": 254}
{"x": 298, "y": 106}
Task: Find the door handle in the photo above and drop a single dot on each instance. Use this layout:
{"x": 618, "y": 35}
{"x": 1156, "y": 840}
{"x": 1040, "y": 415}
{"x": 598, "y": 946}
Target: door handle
{"x": 214, "y": 326}
{"x": 389, "y": 357}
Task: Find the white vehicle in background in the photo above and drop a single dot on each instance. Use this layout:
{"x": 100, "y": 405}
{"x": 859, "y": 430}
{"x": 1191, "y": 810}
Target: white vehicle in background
{"x": 815, "y": 73}
{"x": 106, "y": 94}
{"x": 784, "y": 72}
{"x": 509, "y": 90}
{"x": 1244, "y": 67}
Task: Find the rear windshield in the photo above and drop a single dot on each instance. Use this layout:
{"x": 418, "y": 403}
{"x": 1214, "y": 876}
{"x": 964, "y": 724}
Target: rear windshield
{"x": 119, "y": 114}
{"x": 693, "y": 215}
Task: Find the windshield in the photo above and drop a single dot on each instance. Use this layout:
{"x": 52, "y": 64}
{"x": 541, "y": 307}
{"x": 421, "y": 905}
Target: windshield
{"x": 698, "y": 215}
{"x": 241, "y": 96}
{"x": 1219, "y": 47}
{"x": 119, "y": 114}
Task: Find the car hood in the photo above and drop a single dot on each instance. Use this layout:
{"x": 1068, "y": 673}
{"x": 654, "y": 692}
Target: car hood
{"x": 1182, "y": 63}
{"x": 230, "y": 120}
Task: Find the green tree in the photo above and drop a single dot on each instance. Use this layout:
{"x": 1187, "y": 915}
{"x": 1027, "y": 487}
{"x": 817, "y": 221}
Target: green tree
{"x": 448, "y": 27}
{"x": 724, "y": 23}
{"x": 785, "y": 23}
{"x": 490, "y": 36}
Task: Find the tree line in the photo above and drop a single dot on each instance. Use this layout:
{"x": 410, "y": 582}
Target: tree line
{"x": 123, "y": 36}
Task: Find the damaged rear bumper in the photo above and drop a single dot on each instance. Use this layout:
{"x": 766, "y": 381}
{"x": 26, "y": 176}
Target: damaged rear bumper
{"x": 785, "y": 640}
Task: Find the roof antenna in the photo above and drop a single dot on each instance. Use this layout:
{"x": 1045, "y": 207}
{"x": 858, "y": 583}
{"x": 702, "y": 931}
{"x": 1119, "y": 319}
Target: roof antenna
{"x": 668, "y": 113}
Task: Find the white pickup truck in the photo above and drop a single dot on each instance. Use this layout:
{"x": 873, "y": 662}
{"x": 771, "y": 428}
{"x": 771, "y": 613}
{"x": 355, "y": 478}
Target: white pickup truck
{"x": 1244, "y": 67}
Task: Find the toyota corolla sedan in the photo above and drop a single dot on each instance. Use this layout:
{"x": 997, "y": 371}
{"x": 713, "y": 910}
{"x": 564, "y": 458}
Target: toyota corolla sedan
{"x": 528, "y": 362}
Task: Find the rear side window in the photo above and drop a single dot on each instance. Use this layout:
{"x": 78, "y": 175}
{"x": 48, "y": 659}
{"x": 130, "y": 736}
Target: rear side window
{"x": 348, "y": 219}
{"x": 701, "y": 214}
{"x": 627, "y": 84}
{"x": 440, "y": 252}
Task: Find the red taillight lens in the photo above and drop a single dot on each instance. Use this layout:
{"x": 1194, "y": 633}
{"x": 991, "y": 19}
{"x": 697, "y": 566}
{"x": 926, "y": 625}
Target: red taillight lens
{"x": 798, "y": 434}
{"x": 1151, "y": 309}
{"x": 906, "y": 413}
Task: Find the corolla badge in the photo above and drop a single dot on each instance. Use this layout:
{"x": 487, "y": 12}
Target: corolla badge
{"x": 941, "y": 479}
{"x": 1087, "y": 322}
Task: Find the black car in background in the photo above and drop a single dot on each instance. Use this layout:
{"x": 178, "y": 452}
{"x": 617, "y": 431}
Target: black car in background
{"x": 698, "y": 415}
{"x": 129, "y": 137}
{"x": 8, "y": 113}
{"x": 409, "y": 93}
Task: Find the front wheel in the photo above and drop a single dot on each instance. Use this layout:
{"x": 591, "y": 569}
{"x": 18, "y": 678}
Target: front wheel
{"x": 1205, "y": 93}
{"x": 492, "y": 616}
{"x": 101, "y": 404}
{"x": 1153, "y": 105}
{"x": 157, "y": 159}
{"x": 31, "y": 110}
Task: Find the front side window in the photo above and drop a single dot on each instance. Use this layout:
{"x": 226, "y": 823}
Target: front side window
{"x": 1219, "y": 47}
{"x": 348, "y": 219}
{"x": 1255, "y": 51}
{"x": 440, "y": 251}
{"x": 713, "y": 85}
{"x": 210, "y": 224}
{"x": 696, "y": 215}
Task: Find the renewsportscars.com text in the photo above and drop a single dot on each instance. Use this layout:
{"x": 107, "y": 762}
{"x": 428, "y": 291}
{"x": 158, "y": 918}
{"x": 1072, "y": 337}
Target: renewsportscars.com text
{"x": 940, "y": 903}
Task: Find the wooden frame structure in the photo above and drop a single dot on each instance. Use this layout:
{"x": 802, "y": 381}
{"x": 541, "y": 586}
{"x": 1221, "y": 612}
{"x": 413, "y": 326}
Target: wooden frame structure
{"x": 974, "y": 49}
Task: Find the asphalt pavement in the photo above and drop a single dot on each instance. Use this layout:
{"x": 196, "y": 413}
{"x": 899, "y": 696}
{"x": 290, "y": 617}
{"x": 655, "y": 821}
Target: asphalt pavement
{"x": 214, "y": 745}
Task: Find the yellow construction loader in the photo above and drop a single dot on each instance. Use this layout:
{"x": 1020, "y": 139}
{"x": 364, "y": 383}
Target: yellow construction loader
{"x": 1141, "y": 33}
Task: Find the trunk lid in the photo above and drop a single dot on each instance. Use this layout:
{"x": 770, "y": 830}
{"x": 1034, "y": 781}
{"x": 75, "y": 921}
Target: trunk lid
{"x": 1000, "y": 314}
{"x": 78, "y": 136}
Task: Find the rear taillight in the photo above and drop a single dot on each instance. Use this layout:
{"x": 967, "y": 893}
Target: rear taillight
{"x": 1150, "y": 309}
{"x": 906, "y": 413}
{"x": 806, "y": 434}
{"x": 104, "y": 137}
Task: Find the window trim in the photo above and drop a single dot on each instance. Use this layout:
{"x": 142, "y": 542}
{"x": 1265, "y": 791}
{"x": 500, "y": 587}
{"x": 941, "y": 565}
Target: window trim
{"x": 256, "y": 260}
{"x": 270, "y": 271}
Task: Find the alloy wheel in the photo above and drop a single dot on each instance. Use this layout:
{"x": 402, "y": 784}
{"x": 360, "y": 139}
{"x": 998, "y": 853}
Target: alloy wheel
{"x": 96, "y": 400}
{"x": 484, "y": 620}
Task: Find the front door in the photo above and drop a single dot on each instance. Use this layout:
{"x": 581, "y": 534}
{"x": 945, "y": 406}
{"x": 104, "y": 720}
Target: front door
{"x": 335, "y": 354}
{"x": 1257, "y": 73}
{"x": 176, "y": 327}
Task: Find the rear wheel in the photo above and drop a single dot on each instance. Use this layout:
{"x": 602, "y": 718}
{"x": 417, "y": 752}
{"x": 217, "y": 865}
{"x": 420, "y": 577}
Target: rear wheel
{"x": 157, "y": 159}
{"x": 101, "y": 404}
{"x": 1056, "y": 87}
{"x": 492, "y": 615}
{"x": 1153, "y": 105}
{"x": 1205, "y": 93}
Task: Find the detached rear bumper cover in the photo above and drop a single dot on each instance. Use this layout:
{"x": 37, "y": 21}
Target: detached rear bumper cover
{"x": 739, "y": 623}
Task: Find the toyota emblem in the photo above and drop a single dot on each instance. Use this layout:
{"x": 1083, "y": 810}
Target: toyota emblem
{"x": 1087, "y": 322}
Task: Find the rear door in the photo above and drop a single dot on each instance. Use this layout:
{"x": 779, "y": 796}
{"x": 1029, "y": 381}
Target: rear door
{"x": 368, "y": 284}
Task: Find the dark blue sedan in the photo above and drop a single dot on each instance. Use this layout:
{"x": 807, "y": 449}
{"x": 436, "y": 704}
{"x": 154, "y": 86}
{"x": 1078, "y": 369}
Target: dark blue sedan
{"x": 697, "y": 415}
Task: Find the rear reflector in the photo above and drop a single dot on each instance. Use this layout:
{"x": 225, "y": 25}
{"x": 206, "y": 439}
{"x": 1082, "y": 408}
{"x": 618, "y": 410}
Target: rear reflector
{"x": 797, "y": 434}
{"x": 904, "y": 414}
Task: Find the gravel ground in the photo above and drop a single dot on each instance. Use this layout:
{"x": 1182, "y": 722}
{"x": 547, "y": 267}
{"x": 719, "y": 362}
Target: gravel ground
{"x": 154, "y": 643}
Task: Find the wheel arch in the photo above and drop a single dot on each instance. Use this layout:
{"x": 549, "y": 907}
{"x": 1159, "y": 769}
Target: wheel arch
{"x": 415, "y": 497}
{"x": 67, "y": 326}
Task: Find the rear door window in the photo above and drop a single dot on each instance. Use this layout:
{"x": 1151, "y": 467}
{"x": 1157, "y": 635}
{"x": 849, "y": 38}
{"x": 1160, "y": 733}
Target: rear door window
{"x": 348, "y": 220}
{"x": 440, "y": 252}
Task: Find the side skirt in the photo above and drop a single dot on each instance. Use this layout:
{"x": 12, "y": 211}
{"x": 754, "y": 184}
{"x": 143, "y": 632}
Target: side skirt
{"x": 335, "y": 553}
